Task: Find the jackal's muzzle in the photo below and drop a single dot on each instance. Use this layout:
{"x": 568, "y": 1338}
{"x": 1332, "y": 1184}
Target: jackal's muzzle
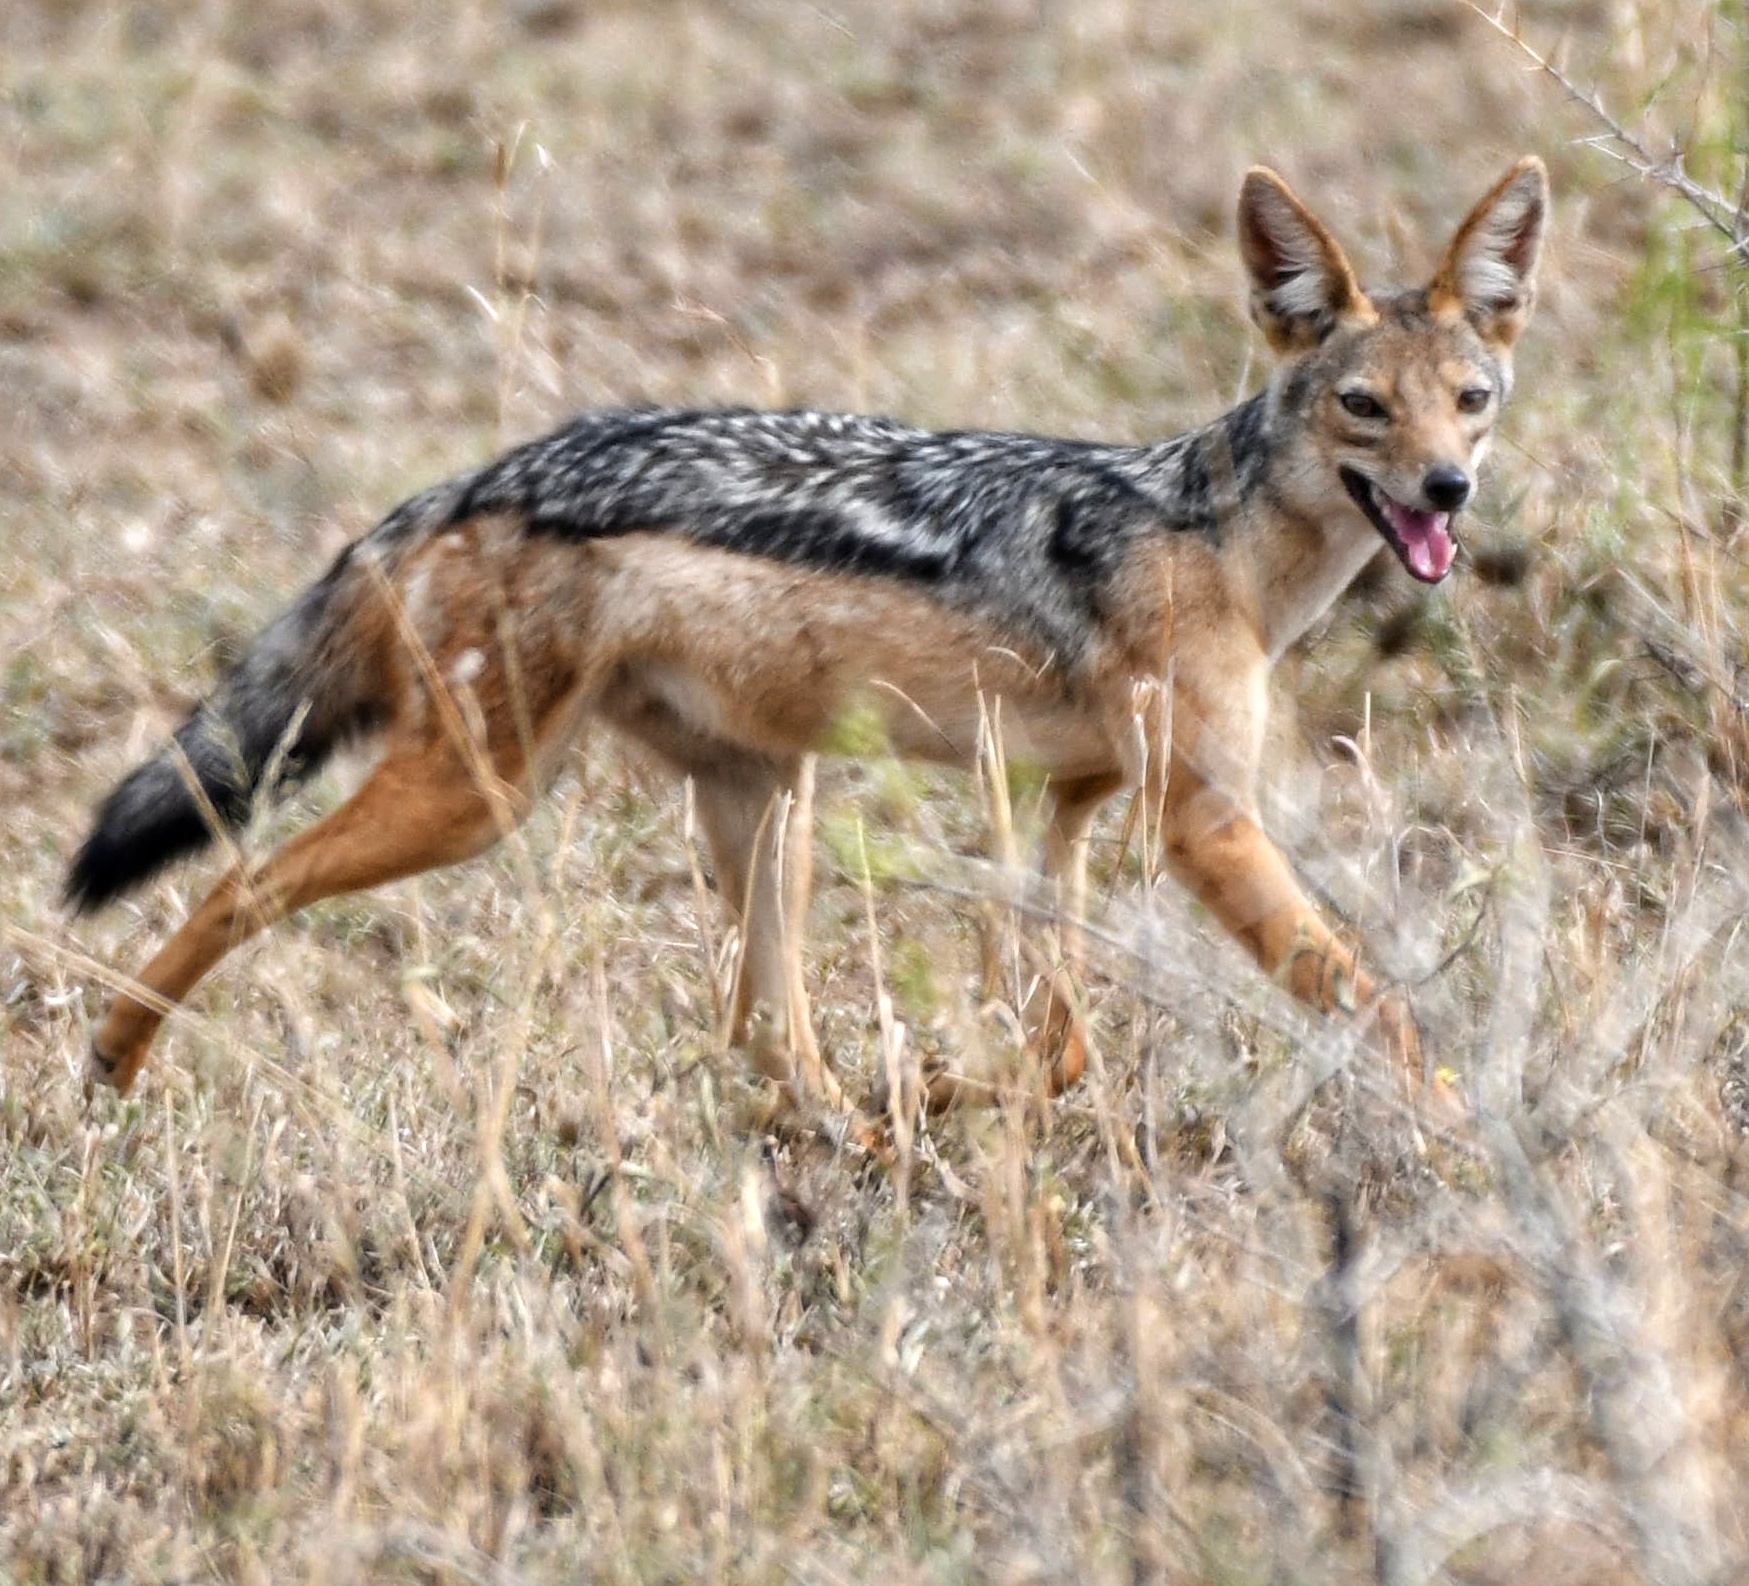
{"x": 1422, "y": 538}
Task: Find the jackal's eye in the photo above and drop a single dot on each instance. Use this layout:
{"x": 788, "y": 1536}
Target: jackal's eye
{"x": 1357, "y": 404}
{"x": 1474, "y": 398}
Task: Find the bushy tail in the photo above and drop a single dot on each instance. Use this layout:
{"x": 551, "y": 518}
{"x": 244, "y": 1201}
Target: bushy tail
{"x": 310, "y": 681}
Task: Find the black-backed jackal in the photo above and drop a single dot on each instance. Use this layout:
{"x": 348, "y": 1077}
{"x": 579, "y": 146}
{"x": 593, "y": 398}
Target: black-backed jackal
{"x": 723, "y": 587}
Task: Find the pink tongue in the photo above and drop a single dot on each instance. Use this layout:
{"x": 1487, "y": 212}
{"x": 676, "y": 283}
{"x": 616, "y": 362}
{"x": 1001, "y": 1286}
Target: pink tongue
{"x": 1429, "y": 548}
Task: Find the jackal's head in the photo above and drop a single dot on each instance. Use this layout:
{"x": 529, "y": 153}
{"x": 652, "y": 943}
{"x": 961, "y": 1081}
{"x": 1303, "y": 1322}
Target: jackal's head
{"x": 1385, "y": 401}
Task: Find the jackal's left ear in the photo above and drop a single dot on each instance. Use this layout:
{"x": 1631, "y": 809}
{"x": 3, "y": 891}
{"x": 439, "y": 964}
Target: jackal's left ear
{"x": 1301, "y": 283}
{"x": 1488, "y": 273}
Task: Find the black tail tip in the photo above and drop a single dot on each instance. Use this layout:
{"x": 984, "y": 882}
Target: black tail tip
{"x": 120, "y": 853}
{"x": 99, "y": 873}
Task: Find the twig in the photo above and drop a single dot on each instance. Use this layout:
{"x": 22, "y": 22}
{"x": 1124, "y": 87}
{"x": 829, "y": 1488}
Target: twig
{"x": 1720, "y": 213}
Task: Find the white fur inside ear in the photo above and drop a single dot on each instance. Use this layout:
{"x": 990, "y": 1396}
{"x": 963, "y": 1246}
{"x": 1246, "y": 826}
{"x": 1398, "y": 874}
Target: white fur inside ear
{"x": 1499, "y": 256}
{"x": 1301, "y": 285}
{"x": 1303, "y": 294}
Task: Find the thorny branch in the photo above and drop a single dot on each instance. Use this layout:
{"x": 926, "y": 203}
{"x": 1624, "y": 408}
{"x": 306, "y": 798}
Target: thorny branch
{"x": 1729, "y": 218}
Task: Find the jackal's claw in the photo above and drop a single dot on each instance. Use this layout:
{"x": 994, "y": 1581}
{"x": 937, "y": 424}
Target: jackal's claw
{"x": 99, "y": 1070}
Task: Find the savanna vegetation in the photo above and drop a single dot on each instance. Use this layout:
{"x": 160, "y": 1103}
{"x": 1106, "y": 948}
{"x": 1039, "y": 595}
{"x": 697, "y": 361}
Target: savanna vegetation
{"x": 439, "y": 1243}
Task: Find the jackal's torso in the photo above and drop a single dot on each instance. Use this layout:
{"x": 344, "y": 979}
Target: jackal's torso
{"x": 1030, "y": 534}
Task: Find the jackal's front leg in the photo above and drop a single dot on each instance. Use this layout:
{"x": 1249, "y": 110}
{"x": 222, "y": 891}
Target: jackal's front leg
{"x": 1217, "y": 849}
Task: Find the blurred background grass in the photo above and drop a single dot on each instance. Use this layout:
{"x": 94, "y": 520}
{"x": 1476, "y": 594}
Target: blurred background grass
{"x": 376, "y": 1277}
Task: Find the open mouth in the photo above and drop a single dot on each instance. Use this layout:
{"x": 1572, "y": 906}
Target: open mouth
{"x": 1422, "y": 540}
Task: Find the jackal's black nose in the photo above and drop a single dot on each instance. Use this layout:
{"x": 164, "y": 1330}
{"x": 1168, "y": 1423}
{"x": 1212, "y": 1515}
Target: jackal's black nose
{"x": 1446, "y": 487}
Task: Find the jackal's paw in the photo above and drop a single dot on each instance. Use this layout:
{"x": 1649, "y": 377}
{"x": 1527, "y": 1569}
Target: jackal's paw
{"x": 1068, "y": 1062}
{"x": 118, "y": 1050}
{"x": 102, "y": 1069}
{"x": 789, "y": 1113}
{"x": 1397, "y": 1035}
{"x": 855, "y": 1130}
{"x": 1056, "y": 1036}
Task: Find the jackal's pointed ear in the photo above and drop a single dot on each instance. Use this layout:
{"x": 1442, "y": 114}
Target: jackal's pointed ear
{"x": 1301, "y": 284}
{"x": 1488, "y": 273}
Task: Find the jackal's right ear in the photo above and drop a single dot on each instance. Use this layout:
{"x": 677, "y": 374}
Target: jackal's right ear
{"x": 1301, "y": 283}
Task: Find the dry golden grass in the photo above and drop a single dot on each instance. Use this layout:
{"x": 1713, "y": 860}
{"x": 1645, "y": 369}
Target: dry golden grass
{"x": 438, "y": 1244}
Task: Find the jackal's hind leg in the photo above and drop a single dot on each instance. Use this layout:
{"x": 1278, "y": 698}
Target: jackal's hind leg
{"x": 1059, "y": 1035}
{"x": 422, "y": 806}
